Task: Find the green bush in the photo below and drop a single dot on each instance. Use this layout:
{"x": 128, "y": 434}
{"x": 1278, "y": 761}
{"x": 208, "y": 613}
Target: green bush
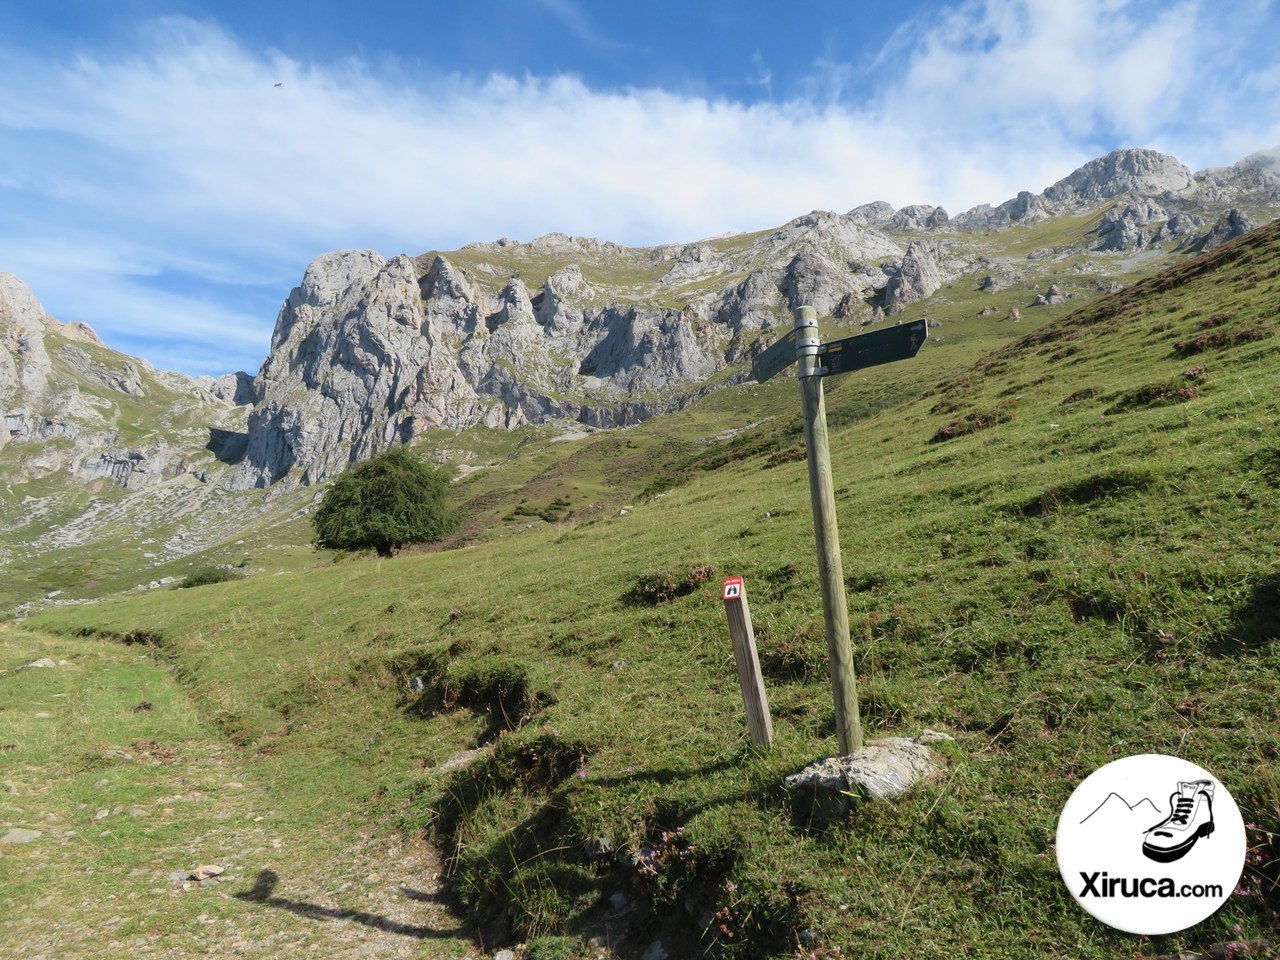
{"x": 204, "y": 575}
{"x": 390, "y": 500}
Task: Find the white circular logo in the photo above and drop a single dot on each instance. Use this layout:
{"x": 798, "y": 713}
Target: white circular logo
{"x": 1151, "y": 844}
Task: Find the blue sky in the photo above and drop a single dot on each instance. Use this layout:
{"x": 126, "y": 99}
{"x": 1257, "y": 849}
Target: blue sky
{"x": 168, "y": 169}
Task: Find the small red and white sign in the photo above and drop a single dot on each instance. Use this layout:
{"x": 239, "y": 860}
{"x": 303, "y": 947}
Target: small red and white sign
{"x": 733, "y": 588}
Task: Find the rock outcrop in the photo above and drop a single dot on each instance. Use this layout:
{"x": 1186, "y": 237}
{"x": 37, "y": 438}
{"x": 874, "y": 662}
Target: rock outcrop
{"x": 1130, "y": 227}
{"x": 1054, "y": 295}
{"x": 916, "y": 279}
{"x": 1229, "y": 226}
{"x": 1144, "y": 172}
{"x": 59, "y": 382}
{"x": 367, "y": 352}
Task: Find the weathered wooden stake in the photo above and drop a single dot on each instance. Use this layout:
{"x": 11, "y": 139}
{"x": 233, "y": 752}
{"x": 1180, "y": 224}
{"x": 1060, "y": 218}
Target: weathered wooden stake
{"x": 844, "y": 686}
{"x": 759, "y": 724}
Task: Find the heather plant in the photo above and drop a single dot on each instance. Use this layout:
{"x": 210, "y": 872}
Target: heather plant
{"x": 654, "y": 588}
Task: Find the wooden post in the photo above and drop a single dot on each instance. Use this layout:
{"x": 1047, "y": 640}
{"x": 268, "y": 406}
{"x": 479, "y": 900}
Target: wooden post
{"x": 844, "y": 686}
{"x": 759, "y": 724}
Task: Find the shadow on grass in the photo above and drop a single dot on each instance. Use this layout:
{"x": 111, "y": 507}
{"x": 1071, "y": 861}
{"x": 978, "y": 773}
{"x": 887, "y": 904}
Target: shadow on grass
{"x": 544, "y": 875}
{"x": 263, "y": 892}
{"x": 1256, "y": 621}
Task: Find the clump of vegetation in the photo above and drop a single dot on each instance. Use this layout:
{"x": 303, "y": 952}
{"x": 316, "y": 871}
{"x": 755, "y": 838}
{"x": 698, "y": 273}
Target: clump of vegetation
{"x": 1165, "y": 392}
{"x": 1118, "y": 482}
{"x": 390, "y": 500}
{"x": 555, "y": 512}
{"x": 655, "y": 588}
{"x": 969, "y": 423}
{"x": 1218, "y": 336}
{"x": 800, "y": 655}
{"x": 790, "y": 455}
{"x": 210, "y": 574}
{"x": 1083, "y": 394}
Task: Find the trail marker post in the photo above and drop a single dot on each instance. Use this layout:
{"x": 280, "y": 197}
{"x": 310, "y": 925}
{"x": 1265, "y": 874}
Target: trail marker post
{"x": 815, "y": 360}
{"x": 759, "y": 724}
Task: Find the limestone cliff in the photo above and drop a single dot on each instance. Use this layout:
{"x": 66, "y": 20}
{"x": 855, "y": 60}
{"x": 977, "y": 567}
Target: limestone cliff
{"x": 63, "y": 395}
{"x": 368, "y": 352}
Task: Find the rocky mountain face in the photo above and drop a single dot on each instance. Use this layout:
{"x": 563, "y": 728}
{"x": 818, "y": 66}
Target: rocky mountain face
{"x": 369, "y": 351}
{"x": 64, "y": 398}
{"x": 94, "y": 444}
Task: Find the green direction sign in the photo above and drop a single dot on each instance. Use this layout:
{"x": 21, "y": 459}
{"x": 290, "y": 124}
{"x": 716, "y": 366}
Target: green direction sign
{"x": 899, "y": 342}
{"x": 776, "y": 359}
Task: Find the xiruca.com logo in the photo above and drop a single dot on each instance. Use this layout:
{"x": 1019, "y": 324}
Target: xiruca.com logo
{"x": 1143, "y": 863}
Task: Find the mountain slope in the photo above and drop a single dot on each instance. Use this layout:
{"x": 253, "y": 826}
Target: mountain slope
{"x": 1061, "y": 552}
{"x": 506, "y": 359}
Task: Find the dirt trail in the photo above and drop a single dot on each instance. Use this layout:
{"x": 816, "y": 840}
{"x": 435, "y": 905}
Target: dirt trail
{"x": 128, "y": 795}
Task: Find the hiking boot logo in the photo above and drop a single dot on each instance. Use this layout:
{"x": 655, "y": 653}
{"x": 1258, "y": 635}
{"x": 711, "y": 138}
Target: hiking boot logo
{"x": 1146, "y": 879}
{"x": 1190, "y": 818}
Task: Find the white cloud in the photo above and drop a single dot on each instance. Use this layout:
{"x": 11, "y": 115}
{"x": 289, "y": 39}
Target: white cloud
{"x": 183, "y": 156}
{"x": 578, "y": 24}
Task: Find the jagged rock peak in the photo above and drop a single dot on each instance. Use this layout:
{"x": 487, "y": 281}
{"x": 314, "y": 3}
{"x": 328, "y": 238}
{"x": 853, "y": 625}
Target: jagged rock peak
{"x": 563, "y": 243}
{"x": 917, "y": 278}
{"x": 873, "y": 214}
{"x": 1230, "y": 225}
{"x": 21, "y": 309}
{"x": 552, "y": 304}
{"x": 331, "y": 279}
{"x": 1257, "y": 174}
{"x": 233, "y": 388}
{"x": 76, "y": 330}
{"x": 445, "y": 281}
{"x": 502, "y": 243}
{"x": 837, "y": 235}
{"x": 19, "y": 306}
{"x": 919, "y": 216}
{"x": 1266, "y": 161}
{"x": 1026, "y": 207}
{"x": 331, "y": 276}
{"x": 567, "y": 281}
{"x": 1143, "y": 171}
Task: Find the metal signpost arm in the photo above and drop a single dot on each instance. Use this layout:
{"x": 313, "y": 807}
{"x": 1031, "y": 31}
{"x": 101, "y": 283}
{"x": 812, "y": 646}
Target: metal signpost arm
{"x": 844, "y": 687}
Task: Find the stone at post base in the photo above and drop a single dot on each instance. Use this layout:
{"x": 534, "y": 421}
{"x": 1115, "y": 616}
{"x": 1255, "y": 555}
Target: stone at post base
{"x": 880, "y": 770}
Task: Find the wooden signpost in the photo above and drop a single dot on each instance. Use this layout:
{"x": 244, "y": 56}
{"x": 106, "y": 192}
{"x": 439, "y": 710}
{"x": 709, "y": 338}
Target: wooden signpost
{"x": 816, "y": 360}
{"x": 759, "y": 724}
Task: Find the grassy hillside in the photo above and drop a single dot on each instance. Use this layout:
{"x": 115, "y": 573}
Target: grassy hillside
{"x": 1062, "y": 552}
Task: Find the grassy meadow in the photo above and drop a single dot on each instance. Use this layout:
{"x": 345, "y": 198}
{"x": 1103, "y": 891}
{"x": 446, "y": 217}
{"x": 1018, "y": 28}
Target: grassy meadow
{"x": 1060, "y": 546}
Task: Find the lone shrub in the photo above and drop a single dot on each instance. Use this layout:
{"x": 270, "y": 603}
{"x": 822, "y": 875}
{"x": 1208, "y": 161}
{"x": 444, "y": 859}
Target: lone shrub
{"x": 389, "y": 500}
{"x": 204, "y": 575}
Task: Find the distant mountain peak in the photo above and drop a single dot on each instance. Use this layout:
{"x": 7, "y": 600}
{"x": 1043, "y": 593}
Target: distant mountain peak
{"x": 1143, "y": 171}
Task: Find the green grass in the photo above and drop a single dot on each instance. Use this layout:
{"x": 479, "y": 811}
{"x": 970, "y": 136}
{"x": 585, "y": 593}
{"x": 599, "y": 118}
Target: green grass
{"x": 1086, "y": 571}
{"x": 131, "y": 790}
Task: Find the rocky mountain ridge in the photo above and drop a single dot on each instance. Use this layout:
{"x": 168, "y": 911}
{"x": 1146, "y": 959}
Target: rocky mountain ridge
{"x": 368, "y": 351}
{"x": 64, "y": 396}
